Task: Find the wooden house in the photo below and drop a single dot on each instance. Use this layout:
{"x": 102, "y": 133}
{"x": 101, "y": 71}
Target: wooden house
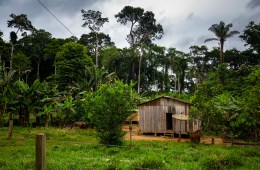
{"x": 161, "y": 115}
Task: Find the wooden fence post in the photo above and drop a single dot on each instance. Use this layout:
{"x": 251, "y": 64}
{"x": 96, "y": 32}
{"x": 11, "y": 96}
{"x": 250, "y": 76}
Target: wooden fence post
{"x": 40, "y": 151}
{"x": 10, "y": 128}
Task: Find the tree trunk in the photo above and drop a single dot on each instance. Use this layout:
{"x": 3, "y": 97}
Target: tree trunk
{"x": 175, "y": 85}
{"x": 163, "y": 81}
{"x": 139, "y": 73}
{"x": 166, "y": 79}
{"x": 27, "y": 117}
{"x": 133, "y": 72}
{"x": 47, "y": 120}
{"x": 179, "y": 89}
{"x": 221, "y": 51}
{"x": 96, "y": 50}
{"x": 12, "y": 53}
{"x": 38, "y": 69}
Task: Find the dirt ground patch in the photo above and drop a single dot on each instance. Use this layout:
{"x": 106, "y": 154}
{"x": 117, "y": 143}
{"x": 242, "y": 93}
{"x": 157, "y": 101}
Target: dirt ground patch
{"x": 137, "y": 136}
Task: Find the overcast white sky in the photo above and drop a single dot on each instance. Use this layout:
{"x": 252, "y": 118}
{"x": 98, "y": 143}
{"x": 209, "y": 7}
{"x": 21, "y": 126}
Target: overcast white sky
{"x": 185, "y": 22}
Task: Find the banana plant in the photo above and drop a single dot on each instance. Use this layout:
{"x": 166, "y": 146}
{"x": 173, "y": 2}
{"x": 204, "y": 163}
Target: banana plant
{"x": 29, "y": 98}
{"x": 48, "y": 111}
{"x": 6, "y": 93}
{"x": 68, "y": 109}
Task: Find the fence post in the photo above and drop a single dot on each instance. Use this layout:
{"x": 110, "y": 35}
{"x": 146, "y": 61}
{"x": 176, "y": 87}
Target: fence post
{"x": 10, "y": 128}
{"x": 40, "y": 151}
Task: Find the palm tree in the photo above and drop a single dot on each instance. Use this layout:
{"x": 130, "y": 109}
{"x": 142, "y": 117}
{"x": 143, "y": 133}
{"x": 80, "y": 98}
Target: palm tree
{"x": 222, "y": 32}
{"x": 97, "y": 77}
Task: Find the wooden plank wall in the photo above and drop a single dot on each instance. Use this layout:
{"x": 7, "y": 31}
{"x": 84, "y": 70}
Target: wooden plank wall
{"x": 179, "y": 108}
{"x": 152, "y": 119}
{"x": 152, "y": 116}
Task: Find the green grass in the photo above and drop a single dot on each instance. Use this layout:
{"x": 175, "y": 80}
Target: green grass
{"x": 78, "y": 149}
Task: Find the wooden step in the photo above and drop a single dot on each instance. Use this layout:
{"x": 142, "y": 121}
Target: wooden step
{"x": 168, "y": 133}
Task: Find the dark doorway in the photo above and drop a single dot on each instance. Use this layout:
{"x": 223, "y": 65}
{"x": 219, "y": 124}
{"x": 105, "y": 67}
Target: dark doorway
{"x": 168, "y": 121}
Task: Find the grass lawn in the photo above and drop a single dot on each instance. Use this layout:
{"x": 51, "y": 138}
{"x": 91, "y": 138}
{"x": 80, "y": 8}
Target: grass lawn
{"x": 79, "y": 149}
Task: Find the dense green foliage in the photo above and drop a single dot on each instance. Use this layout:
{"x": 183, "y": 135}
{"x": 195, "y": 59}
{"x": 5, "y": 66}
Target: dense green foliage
{"x": 71, "y": 63}
{"x": 228, "y": 101}
{"x": 109, "y": 106}
{"x": 78, "y": 149}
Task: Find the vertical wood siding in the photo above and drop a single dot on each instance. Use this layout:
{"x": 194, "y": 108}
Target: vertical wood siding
{"x": 152, "y": 116}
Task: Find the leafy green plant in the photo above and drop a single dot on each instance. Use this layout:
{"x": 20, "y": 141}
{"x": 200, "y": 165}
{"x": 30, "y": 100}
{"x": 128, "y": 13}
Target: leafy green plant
{"x": 110, "y": 105}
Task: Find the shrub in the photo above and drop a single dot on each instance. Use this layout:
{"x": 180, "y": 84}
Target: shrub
{"x": 110, "y": 105}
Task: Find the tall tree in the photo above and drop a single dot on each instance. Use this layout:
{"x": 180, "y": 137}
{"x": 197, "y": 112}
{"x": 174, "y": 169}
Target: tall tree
{"x": 222, "y": 32}
{"x": 20, "y": 22}
{"x": 132, "y": 15}
{"x": 89, "y": 40}
{"x": 251, "y": 36}
{"x": 94, "y": 21}
{"x": 159, "y": 61}
{"x": 198, "y": 62}
{"x": 120, "y": 61}
{"x": 35, "y": 45}
{"x": 71, "y": 62}
{"x": 143, "y": 29}
{"x": 111, "y": 58}
{"x": 40, "y": 40}
{"x": 179, "y": 65}
{"x": 13, "y": 41}
{"x": 49, "y": 55}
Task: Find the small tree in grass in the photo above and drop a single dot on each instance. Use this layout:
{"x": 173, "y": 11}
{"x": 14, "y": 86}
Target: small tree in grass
{"x": 110, "y": 105}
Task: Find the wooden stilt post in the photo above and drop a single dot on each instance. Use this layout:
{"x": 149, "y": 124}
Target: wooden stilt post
{"x": 40, "y": 151}
{"x": 212, "y": 141}
{"x": 179, "y": 136}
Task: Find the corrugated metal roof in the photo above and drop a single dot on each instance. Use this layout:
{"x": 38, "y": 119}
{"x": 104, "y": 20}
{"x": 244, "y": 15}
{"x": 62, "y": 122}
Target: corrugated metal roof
{"x": 168, "y": 97}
